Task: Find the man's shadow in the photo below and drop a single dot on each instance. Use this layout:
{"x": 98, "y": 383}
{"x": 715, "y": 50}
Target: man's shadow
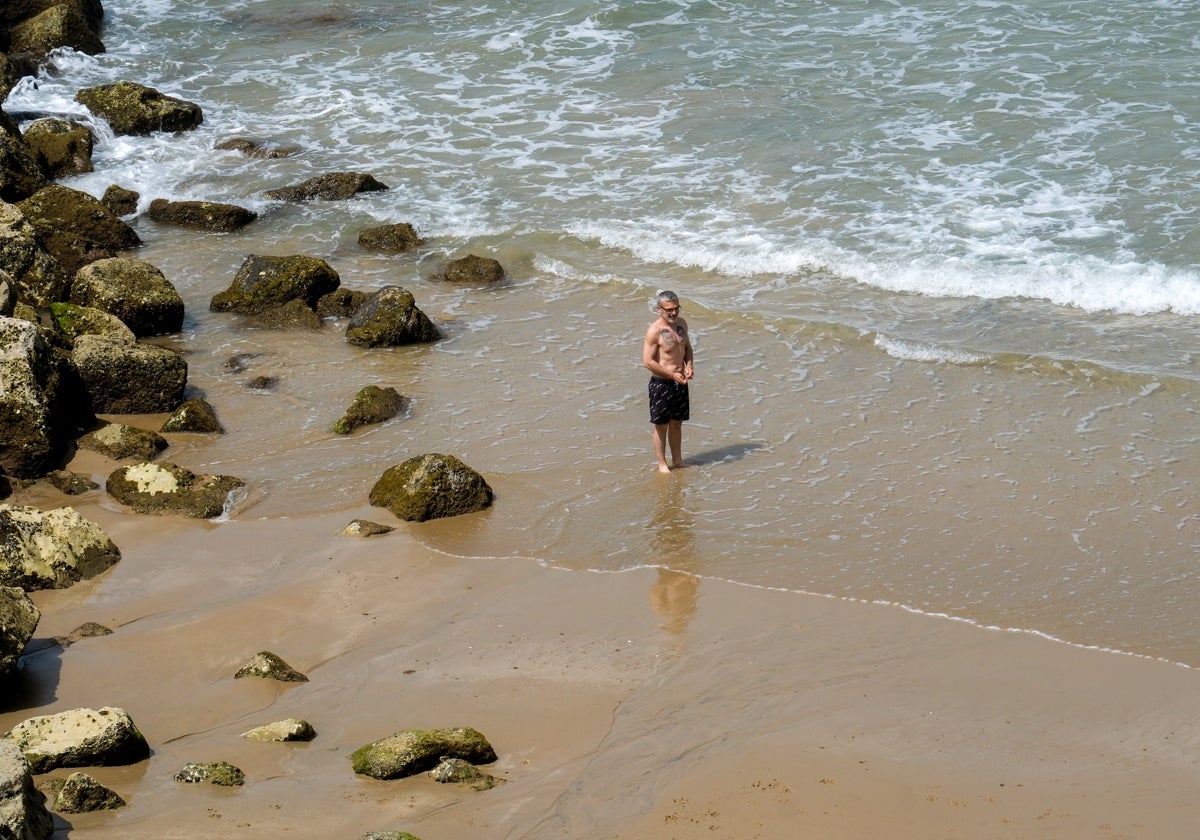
{"x": 733, "y": 452}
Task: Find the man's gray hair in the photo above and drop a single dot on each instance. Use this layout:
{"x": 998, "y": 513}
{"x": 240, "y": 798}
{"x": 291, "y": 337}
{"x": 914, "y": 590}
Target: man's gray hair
{"x": 663, "y": 294}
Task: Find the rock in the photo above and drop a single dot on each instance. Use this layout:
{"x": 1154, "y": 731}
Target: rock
{"x": 266, "y": 282}
{"x": 72, "y": 320}
{"x": 256, "y": 148}
{"x": 430, "y": 487}
{"x": 195, "y": 415}
{"x": 14, "y": 11}
{"x": 220, "y": 773}
{"x": 366, "y": 528}
{"x": 134, "y": 290}
{"x": 120, "y": 201}
{"x": 76, "y": 228}
{"x": 23, "y": 814}
{"x": 206, "y": 215}
{"x": 270, "y": 667}
{"x": 37, "y": 277}
{"x": 20, "y": 175}
{"x": 389, "y": 238}
{"x": 262, "y": 383}
{"x": 80, "y": 738}
{"x": 293, "y": 315}
{"x": 291, "y": 729}
{"x": 8, "y": 294}
{"x": 371, "y": 405}
{"x": 72, "y": 484}
{"x": 334, "y": 186}
{"x": 87, "y": 630}
{"x": 18, "y": 619}
{"x": 42, "y": 403}
{"x": 61, "y": 147}
{"x": 130, "y": 108}
{"x": 340, "y": 303}
{"x": 388, "y": 318}
{"x": 58, "y": 26}
{"x": 9, "y": 76}
{"x": 413, "y": 751}
{"x": 80, "y": 793}
{"x": 473, "y": 269}
{"x": 118, "y": 441}
{"x": 125, "y": 378}
{"x": 457, "y": 771}
{"x": 51, "y": 549}
{"x": 168, "y": 489}
{"x": 389, "y": 835}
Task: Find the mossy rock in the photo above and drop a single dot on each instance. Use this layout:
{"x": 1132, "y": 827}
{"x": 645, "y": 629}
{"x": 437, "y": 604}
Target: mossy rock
{"x": 72, "y": 320}
{"x": 372, "y": 404}
{"x": 431, "y": 486}
{"x": 220, "y": 773}
{"x": 265, "y": 282}
{"x": 389, "y": 238}
{"x": 204, "y": 215}
{"x": 390, "y": 318}
{"x": 269, "y": 666}
{"x": 474, "y": 269}
{"x": 413, "y": 751}
{"x": 118, "y": 441}
{"x": 334, "y": 186}
{"x": 133, "y": 109}
{"x": 168, "y": 489}
{"x": 195, "y": 415}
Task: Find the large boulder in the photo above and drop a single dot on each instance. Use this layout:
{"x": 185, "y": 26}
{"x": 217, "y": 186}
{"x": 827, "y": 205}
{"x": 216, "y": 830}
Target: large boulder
{"x": 80, "y": 793}
{"x": 36, "y": 275}
{"x": 18, "y": 619}
{"x": 14, "y": 11}
{"x": 76, "y": 228}
{"x": 334, "y": 186}
{"x": 80, "y": 738}
{"x": 372, "y": 404}
{"x": 59, "y": 26}
{"x": 269, "y": 282}
{"x": 42, "y": 403}
{"x": 205, "y": 215}
{"x": 61, "y": 147}
{"x": 388, "y": 318}
{"x": 133, "y": 109}
{"x": 124, "y": 378}
{"x": 413, "y": 751}
{"x": 51, "y": 549}
{"x": 474, "y": 269}
{"x": 71, "y": 320}
{"x": 20, "y": 175}
{"x": 171, "y": 490}
{"x": 23, "y": 814}
{"x": 430, "y": 487}
{"x": 134, "y": 290}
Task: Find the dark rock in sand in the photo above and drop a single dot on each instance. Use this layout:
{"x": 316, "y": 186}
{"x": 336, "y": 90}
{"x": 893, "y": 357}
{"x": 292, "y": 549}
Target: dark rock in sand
{"x": 255, "y": 149}
{"x": 59, "y": 26}
{"x": 72, "y": 320}
{"x": 262, "y": 383}
{"x": 366, "y": 528}
{"x": 80, "y": 738}
{"x": 388, "y": 318}
{"x": 87, "y": 630}
{"x": 389, "y": 835}
{"x": 206, "y": 215}
{"x": 266, "y": 282}
{"x": 457, "y": 771}
{"x": 134, "y": 290}
{"x": 80, "y": 793}
{"x": 118, "y": 441}
{"x": 51, "y": 549}
{"x": 195, "y": 415}
{"x": 341, "y": 303}
{"x": 413, "y": 751}
{"x": 70, "y": 483}
{"x": 293, "y": 315}
{"x": 124, "y": 378}
{"x": 133, "y": 109}
{"x": 372, "y": 404}
{"x": 220, "y": 773}
{"x": 24, "y": 813}
{"x": 76, "y": 228}
{"x": 390, "y": 238}
{"x": 335, "y": 186}
{"x": 169, "y": 489}
{"x": 268, "y": 666}
{"x": 292, "y": 729}
{"x": 431, "y": 487}
{"x": 473, "y": 269}
{"x": 18, "y": 620}
{"x": 61, "y": 147}
{"x": 43, "y": 406}
{"x": 36, "y": 276}
{"x": 120, "y": 201}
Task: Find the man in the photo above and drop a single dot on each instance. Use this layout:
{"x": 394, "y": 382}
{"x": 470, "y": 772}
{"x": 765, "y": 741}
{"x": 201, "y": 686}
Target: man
{"x": 667, "y": 354}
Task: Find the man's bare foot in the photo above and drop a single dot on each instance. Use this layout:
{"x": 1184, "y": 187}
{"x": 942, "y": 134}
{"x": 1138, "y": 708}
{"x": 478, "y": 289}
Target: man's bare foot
{"x": 663, "y": 468}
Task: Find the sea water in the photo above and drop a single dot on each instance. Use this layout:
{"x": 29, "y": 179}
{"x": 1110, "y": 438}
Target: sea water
{"x": 938, "y": 259}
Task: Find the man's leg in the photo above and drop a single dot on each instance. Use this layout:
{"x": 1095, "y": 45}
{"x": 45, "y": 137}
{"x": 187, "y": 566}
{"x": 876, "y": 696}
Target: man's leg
{"x": 675, "y": 438}
{"x": 660, "y": 446}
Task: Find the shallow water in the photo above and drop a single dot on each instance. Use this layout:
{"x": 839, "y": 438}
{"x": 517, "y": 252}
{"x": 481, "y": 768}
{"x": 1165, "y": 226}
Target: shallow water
{"x": 938, "y": 259}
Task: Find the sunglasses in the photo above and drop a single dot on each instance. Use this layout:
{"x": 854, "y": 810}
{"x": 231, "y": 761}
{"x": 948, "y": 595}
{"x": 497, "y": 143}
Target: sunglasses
{"x": 669, "y": 311}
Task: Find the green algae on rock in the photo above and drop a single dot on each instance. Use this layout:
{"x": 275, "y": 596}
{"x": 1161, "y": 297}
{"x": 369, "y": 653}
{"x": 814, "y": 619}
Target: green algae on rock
{"x": 431, "y": 486}
{"x": 413, "y": 751}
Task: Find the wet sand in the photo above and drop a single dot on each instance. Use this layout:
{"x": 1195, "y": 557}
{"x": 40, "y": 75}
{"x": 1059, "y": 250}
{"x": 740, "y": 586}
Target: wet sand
{"x": 644, "y": 704}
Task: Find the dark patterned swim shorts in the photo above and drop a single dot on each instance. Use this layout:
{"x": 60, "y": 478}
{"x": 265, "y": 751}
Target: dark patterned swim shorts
{"x": 668, "y": 401}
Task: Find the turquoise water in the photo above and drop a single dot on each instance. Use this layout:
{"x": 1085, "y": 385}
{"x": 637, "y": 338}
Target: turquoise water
{"x": 940, "y": 259}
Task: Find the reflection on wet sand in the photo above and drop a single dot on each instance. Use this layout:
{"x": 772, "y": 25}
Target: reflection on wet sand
{"x": 673, "y": 594}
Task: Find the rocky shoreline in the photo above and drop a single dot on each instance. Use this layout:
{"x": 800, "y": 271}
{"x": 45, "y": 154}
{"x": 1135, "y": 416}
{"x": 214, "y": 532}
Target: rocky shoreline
{"x": 79, "y": 313}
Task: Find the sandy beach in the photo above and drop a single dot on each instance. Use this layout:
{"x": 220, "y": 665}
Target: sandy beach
{"x": 643, "y": 704}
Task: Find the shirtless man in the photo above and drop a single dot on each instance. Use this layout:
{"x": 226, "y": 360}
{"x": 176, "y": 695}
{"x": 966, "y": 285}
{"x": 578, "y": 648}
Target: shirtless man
{"x": 667, "y": 354}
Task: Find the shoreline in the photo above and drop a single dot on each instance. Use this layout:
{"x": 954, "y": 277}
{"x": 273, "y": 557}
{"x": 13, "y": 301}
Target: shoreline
{"x": 622, "y": 705}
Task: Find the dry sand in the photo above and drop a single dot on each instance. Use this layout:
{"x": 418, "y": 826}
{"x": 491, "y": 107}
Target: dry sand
{"x": 635, "y": 705}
